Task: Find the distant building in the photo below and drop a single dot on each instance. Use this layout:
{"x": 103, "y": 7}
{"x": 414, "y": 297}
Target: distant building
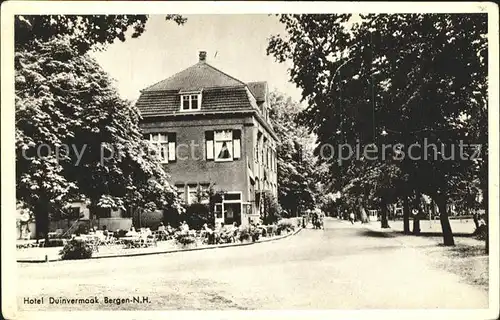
{"x": 76, "y": 213}
{"x": 210, "y": 128}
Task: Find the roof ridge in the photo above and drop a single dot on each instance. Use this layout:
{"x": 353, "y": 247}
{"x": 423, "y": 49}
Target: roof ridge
{"x": 166, "y": 79}
{"x": 205, "y": 89}
{"x": 192, "y": 66}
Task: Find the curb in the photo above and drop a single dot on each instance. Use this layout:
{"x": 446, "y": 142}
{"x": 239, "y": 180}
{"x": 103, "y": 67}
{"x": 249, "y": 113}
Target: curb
{"x": 227, "y": 245}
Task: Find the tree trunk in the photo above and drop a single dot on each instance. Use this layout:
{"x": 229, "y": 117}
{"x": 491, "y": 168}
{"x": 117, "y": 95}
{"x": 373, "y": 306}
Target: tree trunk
{"x": 416, "y": 217}
{"x": 364, "y": 216}
{"x": 475, "y": 217}
{"x": 485, "y": 203}
{"x": 487, "y": 236}
{"x": 406, "y": 216}
{"x": 416, "y": 224}
{"x": 38, "y": 226}
{"x": 445, "y": 223}
{"x": 487, "y": 243}
{"x": 42, "y": 220}
{"x": 384, "y": 223}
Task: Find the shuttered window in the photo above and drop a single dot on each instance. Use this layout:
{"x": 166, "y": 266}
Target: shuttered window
{"x": 164, "y": 145}
{"x": 223, "y": 145}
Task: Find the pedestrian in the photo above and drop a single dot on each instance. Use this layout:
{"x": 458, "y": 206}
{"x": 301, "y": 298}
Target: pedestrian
{"x": 184, "y": 227}
{"x": 351, "y": 217}
{"x": 209, "y": 234}
{"x": 131, "y": 232}
{"x": 321, "y": 222}
{"x": 105, "y": 231}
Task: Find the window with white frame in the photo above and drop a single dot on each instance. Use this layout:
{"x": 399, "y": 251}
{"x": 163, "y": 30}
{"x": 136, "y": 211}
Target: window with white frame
{"x": 223, "y": 145}
{"x": 205, "y": 193}
{"x": 271, "y": 160}
{"x": 268, "y": 159}
{"x": 164, "y": 145}
{"x": 275, "y": 162}
{"x": 232, "y": 206}
{"x": 191, "y": 102}
{"x": 264, "y": 152}
{"x": 218, "y": 211}
{"x": 181, "y": 192}
{"x": 192, "y": 193}
{"x": 258, "y": 148}
{"x": 198, "y": 193}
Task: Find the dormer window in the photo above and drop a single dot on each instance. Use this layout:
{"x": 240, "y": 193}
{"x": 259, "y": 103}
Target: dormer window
{"x": 191, "y": 101}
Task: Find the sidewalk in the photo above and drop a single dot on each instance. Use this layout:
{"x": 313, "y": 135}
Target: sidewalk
{"x": 37, "y": 255}
{"x": 467, "y": 258}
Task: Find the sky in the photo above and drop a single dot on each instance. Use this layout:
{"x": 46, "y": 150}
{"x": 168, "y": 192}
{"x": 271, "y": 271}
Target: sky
{"x": 235, "y": 44}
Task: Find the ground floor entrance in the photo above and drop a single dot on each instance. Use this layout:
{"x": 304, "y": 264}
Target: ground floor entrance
{"x": 230, "y": 209}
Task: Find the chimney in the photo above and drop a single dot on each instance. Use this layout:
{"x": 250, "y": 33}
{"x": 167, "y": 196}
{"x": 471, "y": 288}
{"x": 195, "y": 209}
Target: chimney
{"x": 203, "y": 56}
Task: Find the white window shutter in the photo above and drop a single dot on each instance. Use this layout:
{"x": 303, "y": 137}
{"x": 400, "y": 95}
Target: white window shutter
{"x": 199, "y": 101}
{"x": 158, "y": 151}
{"x": 164, "y": 157}
{"x": 237, "y": 148}
{"x": 210, "y": 149}
{"x": 171, "y": 151}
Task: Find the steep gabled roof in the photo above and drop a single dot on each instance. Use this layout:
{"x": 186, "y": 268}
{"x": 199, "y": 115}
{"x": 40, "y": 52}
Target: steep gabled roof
{"x": 162, "y": 103}
{"x": 221, "y": 94}
{"x": 197, "y": 77}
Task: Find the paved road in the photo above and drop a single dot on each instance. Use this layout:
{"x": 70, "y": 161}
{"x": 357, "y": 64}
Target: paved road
{"x": 341, "y": 267}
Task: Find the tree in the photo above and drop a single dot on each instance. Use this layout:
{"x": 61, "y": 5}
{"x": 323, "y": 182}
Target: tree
{"x": 363, "y": 87}
{"x": 271, "y": 208}
{"x": 196, "y": 215}
{"x": 198, "y": 212}
{"x": 329, "y": 202}
{"x": 297, "y": 171}
{"x": 52, "y": 91}
{"x": 84, "y": 32}
{"x": 76, "y": 137}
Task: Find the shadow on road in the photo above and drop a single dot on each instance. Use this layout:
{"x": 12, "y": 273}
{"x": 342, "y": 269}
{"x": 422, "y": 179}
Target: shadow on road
{"x": 376, "y": 234}
{"x": 435, "y": 234}
{"x": 439, "y": 234}
{"x": 393, "y": 233}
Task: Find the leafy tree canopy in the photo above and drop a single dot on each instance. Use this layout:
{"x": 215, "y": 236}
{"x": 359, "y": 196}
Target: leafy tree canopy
{"x": 393, "y": 79}
{"x": 84, "y": 31}
{"x": 297, "y": 174}
{"x": 75, "y": 137}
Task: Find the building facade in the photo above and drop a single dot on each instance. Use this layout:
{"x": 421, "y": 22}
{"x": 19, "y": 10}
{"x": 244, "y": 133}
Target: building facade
{"x": 212, "y": 130}
{"x": 77, "y": 213}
